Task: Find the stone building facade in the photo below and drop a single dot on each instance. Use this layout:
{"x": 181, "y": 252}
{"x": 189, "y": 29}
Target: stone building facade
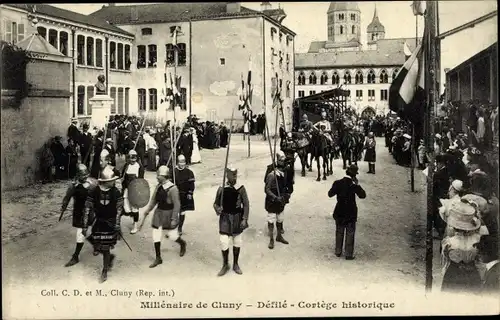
{"x": 342, "y": 61}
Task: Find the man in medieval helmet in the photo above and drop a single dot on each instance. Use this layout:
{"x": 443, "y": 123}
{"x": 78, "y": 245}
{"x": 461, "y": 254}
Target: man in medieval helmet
{"x": 78, "y": 191}
{"x": 131, "y": 171}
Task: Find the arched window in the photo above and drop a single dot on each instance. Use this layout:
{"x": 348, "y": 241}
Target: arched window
{"x": 324, "y": 78}
{"x": 341, "y": 29}
{"x": 371, "y": 76}
{"x": 302, "y": 78}
{"x": 359, "y": 77}
{"x": 335, "y": 78}
{"x": 42, "y": 31}
{"x": 394, "y": 74}
{"x": 80, "y": 105}
{"x": 53, "y": 35}
{"x": 384, "y": 78}
{"x": 90, "y": 51}
{"x": 312, "y": 78}
{"x": 353, "y": 29}
{"x": 63, "y": 42}
{"x": 347, "y": 77}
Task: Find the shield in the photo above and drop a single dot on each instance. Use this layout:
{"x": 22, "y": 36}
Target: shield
{"x": 138, "y": 193}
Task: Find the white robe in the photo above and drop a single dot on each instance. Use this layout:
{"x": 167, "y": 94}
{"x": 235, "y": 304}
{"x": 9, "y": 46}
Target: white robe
{"x": 195, "y": 156}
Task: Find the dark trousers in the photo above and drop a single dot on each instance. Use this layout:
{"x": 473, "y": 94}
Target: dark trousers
{"x": 349, "y": 230}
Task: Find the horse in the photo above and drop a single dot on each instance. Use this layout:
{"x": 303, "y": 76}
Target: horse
{"x": 321, "y": 147}
{"x": 350, "y": 148}
{"x": 297, "y": 142}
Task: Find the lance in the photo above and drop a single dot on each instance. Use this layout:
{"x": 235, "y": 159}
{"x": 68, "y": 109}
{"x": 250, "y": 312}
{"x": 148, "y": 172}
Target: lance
{"x": 272, "y": 156}
{"x": 142, "y": 128}
{"x": 174, "y": 146}
{"x": 227, "y": 158}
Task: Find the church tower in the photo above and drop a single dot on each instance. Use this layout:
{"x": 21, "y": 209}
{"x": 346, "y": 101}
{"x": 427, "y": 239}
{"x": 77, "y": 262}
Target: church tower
{"x": 344, "y": 20}
{"x": 375, "y": 30}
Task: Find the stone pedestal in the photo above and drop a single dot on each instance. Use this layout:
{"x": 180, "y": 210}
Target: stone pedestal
{"x": 101, "y": 110}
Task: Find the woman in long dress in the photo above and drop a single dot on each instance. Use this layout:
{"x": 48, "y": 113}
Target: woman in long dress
{"x": 196, "y": 156}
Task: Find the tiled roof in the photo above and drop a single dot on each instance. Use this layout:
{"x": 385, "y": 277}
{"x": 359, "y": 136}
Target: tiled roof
{"x": 375, "y": 25}
{"x": 343, "y": 6}
{"x": 72, "y": 16}
{"x": 389, "y": 52}
{"x": 167, "y": 12}
{"x": 36, "y": 43}
{"x": 316, "y": 45}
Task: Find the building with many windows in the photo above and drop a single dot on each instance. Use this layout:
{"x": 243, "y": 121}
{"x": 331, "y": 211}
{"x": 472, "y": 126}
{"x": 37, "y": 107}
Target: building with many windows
{"x": 133, "y": 46}
{"x": 96, "y": 48}
{"x": 342, "y": 60}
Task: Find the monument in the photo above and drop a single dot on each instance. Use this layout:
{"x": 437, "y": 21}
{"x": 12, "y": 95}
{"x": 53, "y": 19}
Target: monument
{"x": 101, "y": 104}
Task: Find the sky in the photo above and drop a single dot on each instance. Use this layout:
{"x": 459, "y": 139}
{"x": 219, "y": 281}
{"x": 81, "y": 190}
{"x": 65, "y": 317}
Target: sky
{"x": 309, "y": 20}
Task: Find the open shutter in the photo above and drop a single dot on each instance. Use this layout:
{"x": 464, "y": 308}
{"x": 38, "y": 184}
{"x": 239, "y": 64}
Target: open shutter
{"x": 20, "y": 32}
{"x": 7, "y": 36}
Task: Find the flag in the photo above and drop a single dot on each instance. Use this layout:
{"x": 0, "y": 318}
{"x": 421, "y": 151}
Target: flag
{"x": 163, "y": 97}
{"x": 170, "y": 91}
{"x": 407, "y": 91}
{"x": 174, "y": 36}
{"x": 418, "y": 8}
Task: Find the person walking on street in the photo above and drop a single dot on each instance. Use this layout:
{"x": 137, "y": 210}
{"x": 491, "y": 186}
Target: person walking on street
{"x": 345, "y": 213}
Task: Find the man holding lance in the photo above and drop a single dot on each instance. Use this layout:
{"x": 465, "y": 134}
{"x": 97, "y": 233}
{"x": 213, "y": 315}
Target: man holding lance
{"x": 105, "y": 203}
{"x": 78, "y": 191}
{"x": 131, "y": 171}
{"x": 185, "y": 181}
{"x": 166, "y": 216}
{"x": 232, "y": 206}
{"x": 277, "y": 196}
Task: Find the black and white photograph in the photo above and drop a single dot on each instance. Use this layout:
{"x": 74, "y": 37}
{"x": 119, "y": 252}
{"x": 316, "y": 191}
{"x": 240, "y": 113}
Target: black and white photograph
{"x": 249, "y": 159}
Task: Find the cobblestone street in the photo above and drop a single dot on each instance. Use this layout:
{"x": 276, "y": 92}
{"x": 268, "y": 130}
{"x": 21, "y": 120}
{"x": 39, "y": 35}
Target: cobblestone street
{"x": 389, "y": 239}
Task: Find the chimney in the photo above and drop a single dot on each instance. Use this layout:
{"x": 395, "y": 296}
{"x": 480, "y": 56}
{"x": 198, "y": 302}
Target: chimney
{"x": 111, "y": 4}
{"x": 265, "y": 5}
{"x": 233, "y": 7}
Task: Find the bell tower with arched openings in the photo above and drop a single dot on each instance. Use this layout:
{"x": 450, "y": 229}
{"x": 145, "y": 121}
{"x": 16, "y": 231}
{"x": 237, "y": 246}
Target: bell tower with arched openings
{"x": 375, "y": 29}
{"x": 344, "y": 21}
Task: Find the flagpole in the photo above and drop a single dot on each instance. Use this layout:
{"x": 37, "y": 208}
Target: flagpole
{"x": 430, "y": 85}
{"x": 412, "y": 149}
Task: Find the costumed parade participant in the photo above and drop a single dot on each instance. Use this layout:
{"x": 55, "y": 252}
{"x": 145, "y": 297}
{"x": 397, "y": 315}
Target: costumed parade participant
{"x": 185, "y": 181}
{"x": 305, "y": 124}
{"x": 105, "y": 163}
{"x": 345, "y": 213}
{"x": 370, "y": 154}
{"x": 131, "y": 171}
{"x": 108, "y": 145}
{"x": 277, "y": 196}
{"x": 78, "y": 191}
{"x": 105, "y": 203}
{"x": 166, "y": 216}
{"x": 232, "y": 206}
{"x": 323, "y": 122}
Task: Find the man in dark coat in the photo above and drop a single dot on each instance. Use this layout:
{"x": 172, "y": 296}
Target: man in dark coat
{"x": 224, "y": 135}
{"x": 60, "y": 158}
{"x": 345, "y": 213}
{"x": 98, "y": 146}
{"x": 85, "y": 143}
{"x": 141, "y": 149}
{"x": 73, "y": 131}
{"x": 185, "y": 145}
{"x": 185, "y": 181}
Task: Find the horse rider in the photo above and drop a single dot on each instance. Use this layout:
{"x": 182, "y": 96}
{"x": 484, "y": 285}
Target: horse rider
{"x": 305, "y": 124}
{"x": 324, "y": 126}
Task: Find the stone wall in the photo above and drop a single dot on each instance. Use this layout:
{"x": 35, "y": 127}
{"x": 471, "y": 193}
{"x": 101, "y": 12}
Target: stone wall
{"x": 30, "y": 122}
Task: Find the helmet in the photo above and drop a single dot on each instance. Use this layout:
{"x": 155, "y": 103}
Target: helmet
{"x": 280, "y": 155}
{"x": 163, "y": 171}
{"x": 82, "y": 171}
{"x": 132, "y": 153}
{"x": 107, "y": 175}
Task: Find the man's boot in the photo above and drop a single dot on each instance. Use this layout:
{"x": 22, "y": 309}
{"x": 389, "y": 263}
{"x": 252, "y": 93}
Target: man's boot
{"x": 225, "y": 265}
{"x": 74, "y": 259}
{"x": 135, "y": 216}
{"x": 369, "y": 168}
{"x": 270, "y": 227}
{"x": 182, "y": 218}
{"x": 279, "y": 237}
{"x": 158, "y": 259}
{"x": 373, "y": 168}
{"x": 182, "y": 243}
{"x": 111, "y": 261}
{"x": 282, "y": 230}
{"x": 236, "y": 255}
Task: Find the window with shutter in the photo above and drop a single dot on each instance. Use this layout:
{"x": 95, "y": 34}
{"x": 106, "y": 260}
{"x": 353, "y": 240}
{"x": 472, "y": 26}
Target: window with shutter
{"x": 20, "y": 32}
{"x": 7, "y": 36}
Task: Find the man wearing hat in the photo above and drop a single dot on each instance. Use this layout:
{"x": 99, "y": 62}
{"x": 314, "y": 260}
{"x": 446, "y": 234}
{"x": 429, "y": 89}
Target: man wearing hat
{"x": 277, "y": 196}
{"x": 73, "y": 131}
{"x": 85, "y": 143}
{"x": 131, "y": 171}
{"x": 150, "y": 149}
{"x": 105, "y": 203}
{"x": 166, "y": 216}
{"x": 78, "y": 191}
{"x": 185, "y": 145}
{"x": 185, "y": 181}
{"x": 305, "y": 124}
{"x": 345, "y": 213}
{"x": 232, "y": 206}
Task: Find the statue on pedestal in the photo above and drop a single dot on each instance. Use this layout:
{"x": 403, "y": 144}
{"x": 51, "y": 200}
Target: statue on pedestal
{"x": 101, "y": 85}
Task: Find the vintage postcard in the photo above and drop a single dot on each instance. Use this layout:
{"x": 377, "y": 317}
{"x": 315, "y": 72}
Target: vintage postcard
{"x": 249, "y": 159}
